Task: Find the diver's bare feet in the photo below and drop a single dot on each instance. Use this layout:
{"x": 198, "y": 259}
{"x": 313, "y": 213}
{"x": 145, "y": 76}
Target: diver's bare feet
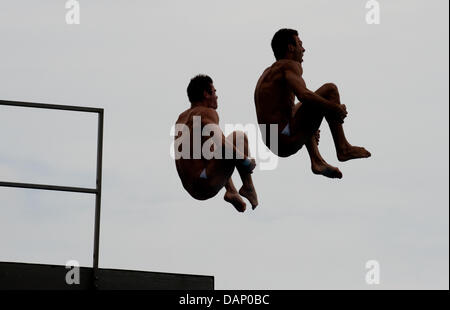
{"x": 250, "y": 194}
{"x": 235, "y": 200}
{"x": 326, "y": 170}
{"x": 352, "y": 152}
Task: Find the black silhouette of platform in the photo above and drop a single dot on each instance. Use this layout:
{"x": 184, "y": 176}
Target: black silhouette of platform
{"x": 20, "y": 276}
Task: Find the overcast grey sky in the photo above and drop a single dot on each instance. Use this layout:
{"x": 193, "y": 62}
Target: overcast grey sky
{"x": 135, "y": 58}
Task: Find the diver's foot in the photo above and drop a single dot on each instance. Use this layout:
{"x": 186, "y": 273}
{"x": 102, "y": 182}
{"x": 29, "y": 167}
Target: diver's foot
{"x": 235, "y": 200}
{"x": 250, "y": 194}
{"x": 326, "y": 170}
{"x": 352, "y": 152}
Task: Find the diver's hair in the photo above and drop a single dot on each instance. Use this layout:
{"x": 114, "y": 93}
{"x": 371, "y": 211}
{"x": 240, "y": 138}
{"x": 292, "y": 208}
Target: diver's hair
{"x": 280, "y": 41}
{"x": 197, "y": 86}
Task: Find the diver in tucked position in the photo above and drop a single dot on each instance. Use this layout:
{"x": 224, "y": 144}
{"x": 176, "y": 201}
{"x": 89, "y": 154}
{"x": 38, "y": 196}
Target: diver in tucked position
{"x": 298, "y": 124}
{"x": 204, "y": 177}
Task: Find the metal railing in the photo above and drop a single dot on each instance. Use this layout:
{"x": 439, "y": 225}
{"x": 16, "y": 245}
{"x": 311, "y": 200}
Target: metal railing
{"x": 97, "y": 191}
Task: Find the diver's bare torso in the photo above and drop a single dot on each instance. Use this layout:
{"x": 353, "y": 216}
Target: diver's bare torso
{"x": 190, "y": 170}
{"x": 275, "y": 100}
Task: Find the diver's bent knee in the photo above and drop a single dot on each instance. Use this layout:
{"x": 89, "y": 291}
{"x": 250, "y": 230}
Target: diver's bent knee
{"x": 331, "y": 87}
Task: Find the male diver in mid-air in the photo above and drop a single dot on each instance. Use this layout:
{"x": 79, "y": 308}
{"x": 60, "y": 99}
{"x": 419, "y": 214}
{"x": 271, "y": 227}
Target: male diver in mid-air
{"x": 204, "y": 177}
{"x": 298, "y": 124}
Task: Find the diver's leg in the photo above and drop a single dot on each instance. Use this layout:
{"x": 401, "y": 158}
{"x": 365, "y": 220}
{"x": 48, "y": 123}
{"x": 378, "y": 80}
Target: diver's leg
{"x": 233, "y": 197}
{"x": 344, "y": 150}
{"x": 318, "y": 164}
{"x": 307, "y": 118}
{"x": 240, "y": 141}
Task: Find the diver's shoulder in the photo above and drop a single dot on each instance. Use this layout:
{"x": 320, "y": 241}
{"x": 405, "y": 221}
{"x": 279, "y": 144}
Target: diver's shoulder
{"x": 182, "y": 118}
{"x": 287, "y": 64}
{"x": 279, "y": 69}
{"x": 209, "y": 115}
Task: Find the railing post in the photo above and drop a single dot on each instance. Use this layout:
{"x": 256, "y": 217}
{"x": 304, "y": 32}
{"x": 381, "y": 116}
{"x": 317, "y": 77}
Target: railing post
{"x": 98, "y": 197}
